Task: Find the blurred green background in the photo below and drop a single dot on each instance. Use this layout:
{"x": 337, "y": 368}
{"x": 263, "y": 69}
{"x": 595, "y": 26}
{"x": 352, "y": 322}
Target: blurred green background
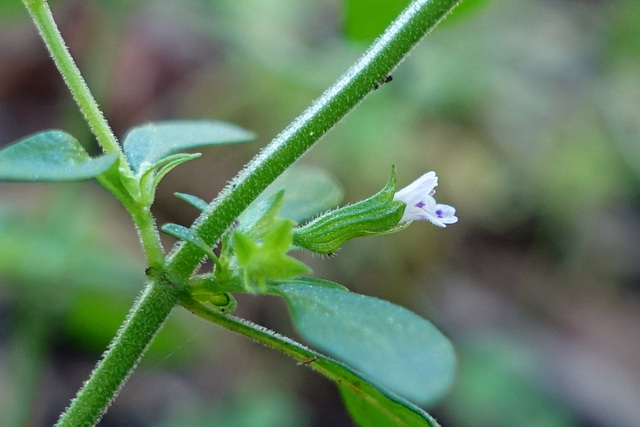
{"x": 528, "y": 111}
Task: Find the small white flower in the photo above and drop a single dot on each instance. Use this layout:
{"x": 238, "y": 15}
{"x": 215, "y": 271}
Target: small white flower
{"x": 421, "y": 205}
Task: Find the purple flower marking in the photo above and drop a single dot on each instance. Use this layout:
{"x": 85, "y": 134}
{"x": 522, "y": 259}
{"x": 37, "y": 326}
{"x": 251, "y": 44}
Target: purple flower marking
{"x": 422, "y": 206}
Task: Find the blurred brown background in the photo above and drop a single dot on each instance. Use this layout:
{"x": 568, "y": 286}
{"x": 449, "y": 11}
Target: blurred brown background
{"x": 527, "y": 110}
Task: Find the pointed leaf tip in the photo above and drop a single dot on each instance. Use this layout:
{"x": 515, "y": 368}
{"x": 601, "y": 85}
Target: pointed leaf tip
{"x": 392, "y": 346}
{"x": 188, "y": 235}
{"x": 194, "y": 201}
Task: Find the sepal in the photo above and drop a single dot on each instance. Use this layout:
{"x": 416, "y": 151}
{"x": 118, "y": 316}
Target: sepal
{"x": 379, "y": 214}
{"x": 267, "y": 259}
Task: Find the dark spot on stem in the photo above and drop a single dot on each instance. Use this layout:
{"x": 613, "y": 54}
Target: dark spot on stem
{"x": 307, "y": 361}
{"x": 385, "y": 79}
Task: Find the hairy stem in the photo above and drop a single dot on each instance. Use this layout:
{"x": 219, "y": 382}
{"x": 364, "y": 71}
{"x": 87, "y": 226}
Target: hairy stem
{"x": 42, "y": 17}
{"x": 391, "y": 405}
{"x": 156, "y": 302}
{"x": 363, "y": 77}
{"x": 145, "y": 319}
{"x": 149, "y": 236}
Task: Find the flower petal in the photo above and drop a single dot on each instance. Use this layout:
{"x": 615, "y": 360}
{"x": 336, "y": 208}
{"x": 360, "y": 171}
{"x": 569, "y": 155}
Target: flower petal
{"x": 441, "y": 215}
{"x": 415, "y": 192}
{"x": 421, "y": 205}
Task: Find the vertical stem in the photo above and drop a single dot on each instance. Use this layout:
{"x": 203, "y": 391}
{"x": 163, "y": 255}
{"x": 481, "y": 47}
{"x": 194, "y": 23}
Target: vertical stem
{"x": 145, "y": 319}
{"x": 41, "y": 14}
{"x": 149, "y": 236}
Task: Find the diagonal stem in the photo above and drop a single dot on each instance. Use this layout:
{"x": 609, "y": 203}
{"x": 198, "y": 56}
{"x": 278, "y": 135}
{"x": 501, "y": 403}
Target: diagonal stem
{"x": 363, "y": 77}
{"x": 149, "y": 313}
{"x": 391, "y": 405}
{"x": 134, "y": 337}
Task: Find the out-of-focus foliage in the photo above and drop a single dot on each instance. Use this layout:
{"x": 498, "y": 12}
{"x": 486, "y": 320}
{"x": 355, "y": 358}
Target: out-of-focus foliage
{"x": 61, "y": 275}
{"x": 63, "y": 248}
{"x": 252, "y": 404}
{"x": 527, "y": 110}
{"x": 496, "y": 388}
{"x": 364, "y": 20}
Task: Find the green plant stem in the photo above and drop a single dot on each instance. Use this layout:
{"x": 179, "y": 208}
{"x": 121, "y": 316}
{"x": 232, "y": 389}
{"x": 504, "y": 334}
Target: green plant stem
{"x": 145, "y": 319}
{"x": 320, "y": 363}
{"x": 43, "y": 18}
{"x": 363, "y": 77}
{"x": 148, "y": 315}
{"x": 149, "y": 236}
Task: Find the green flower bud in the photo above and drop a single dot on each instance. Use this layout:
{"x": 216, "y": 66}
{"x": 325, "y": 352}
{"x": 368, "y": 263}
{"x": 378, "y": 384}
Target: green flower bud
{"x": 379, "y": 214}
{"x": 267, "y": 258}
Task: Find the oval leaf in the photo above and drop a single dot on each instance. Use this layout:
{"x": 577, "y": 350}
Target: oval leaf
{"x": 146, "y": 145}
{"x": 358, "y": 393}
{"x": 50, "y": 156}
{"x": 392, "y": 346}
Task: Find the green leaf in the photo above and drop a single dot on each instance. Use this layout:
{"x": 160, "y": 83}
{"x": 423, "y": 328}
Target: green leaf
{"x": 167, "y": 164}
{"x": 308, "y": 281}
{"x": 148, "y": 181}
{"x": 146, "y": 145}
{"x": 188, "y": 235}
{"x": 194, "y": 201}
{"x": 64, "y": 249}
{"x": 278, "y": 239}
{"x": 464, "y": 10}
{"x": 382, "y": 413}
{"x": 268, "y": 259}
{"x": 11, "y": 12}
{"x": 392, "y": 346}
{"x": 366, "y": 19}
{"x": 388, "y": 405}
{"x": 50, "y": 156}
{"x": 245, "y": 247}
{"x": 307, "y": 192}
{"x": 262, "y": 216}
